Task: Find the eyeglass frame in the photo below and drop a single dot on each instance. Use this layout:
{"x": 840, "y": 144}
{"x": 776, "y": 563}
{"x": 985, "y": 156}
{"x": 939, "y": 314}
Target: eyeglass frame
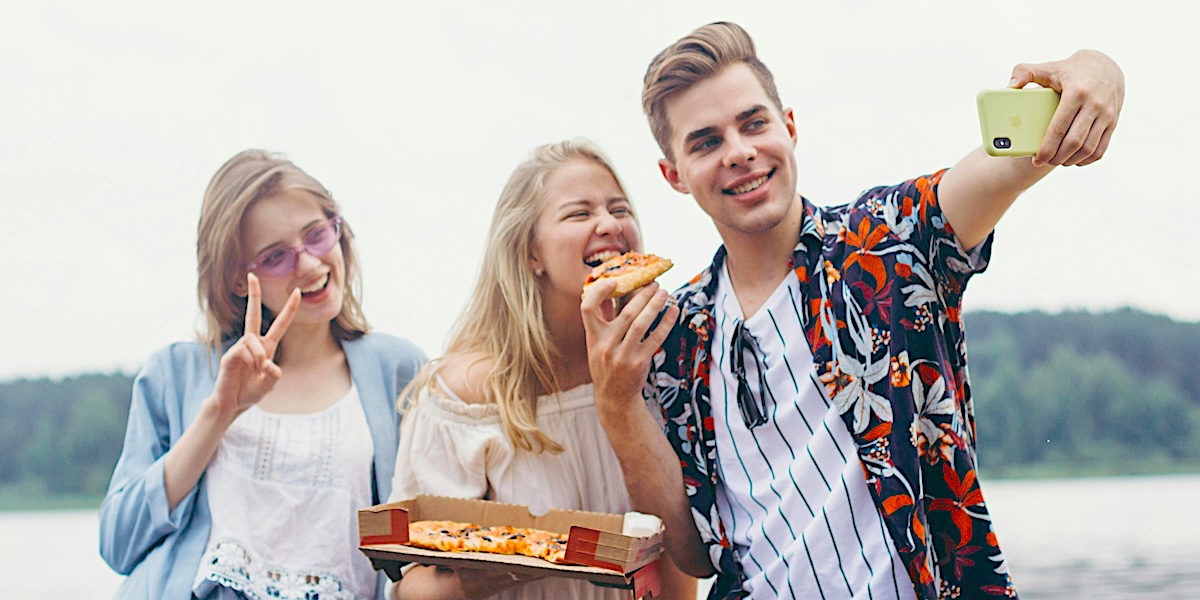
{"x": 293, "y": 252}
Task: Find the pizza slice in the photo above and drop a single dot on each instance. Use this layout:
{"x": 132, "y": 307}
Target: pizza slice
{"x": 631, "y": 270}
{"x": 545, "y": 545}
{"x": 449, "y": 536}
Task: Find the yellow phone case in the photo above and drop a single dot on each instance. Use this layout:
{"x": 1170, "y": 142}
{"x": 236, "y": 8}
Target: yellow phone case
{"x": 1014, "y": 121}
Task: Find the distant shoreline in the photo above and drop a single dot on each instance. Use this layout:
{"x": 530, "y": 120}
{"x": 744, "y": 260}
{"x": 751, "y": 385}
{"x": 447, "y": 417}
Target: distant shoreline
{"x": 10, "y": 502}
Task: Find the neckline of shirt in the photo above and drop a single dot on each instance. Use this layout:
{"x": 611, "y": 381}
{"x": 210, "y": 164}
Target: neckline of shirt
{"x": 350, "y": 394}
{"x": 444, "y": 399}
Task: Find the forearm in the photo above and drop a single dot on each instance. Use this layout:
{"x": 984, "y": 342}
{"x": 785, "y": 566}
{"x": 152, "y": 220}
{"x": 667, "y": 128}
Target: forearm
{"x": 437, "y": 583}
{"x": 427, "y": 583}
{"x": 655, "y": 482}
{"x": 976, "y": 193}
{"x": 676, "y": 585}
{"x": 186, "y": 461}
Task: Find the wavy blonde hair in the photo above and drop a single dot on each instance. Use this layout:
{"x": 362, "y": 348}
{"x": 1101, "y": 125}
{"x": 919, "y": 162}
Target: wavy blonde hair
{"x": 245, "y": 179}
{"x": 504, "y": 319}
{"x": 696, "y": 57}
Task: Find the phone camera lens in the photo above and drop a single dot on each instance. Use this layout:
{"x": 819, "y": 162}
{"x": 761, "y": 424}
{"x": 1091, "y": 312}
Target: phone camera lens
{"x": 1002, "y": 142}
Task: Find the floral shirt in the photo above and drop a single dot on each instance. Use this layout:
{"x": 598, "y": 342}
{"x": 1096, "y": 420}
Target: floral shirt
{"x": 882, "y": 281}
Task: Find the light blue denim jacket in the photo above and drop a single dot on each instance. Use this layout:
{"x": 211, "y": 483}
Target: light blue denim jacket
{"x": 159, "y": 550}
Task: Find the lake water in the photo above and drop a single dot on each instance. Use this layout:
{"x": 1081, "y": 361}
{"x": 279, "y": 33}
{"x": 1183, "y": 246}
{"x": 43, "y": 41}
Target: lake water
{"x": 1117, "y": 538}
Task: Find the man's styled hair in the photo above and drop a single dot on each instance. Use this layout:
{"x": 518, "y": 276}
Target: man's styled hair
{"x": 237, "y": 186}
{"x": 504, "y": 321}
{"x": 701, "y": 54}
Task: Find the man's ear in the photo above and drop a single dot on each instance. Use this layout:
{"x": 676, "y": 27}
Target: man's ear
{"x": 671, "y": 174}
{"x": 789, "y": 121}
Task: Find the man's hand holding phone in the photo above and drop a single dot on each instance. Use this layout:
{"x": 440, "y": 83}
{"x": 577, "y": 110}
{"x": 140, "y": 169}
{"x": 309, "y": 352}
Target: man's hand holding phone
{"x": 1092, "y": 90}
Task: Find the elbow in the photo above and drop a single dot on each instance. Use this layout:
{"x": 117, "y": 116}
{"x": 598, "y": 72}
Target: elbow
{"x": 702, "y": 570}
{"x": 692, "y": 561}
{"x": 115, "y": 549}
{"x": 117, "y": 558}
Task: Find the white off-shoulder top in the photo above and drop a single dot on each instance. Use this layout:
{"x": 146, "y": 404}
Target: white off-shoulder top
{"x": 451, "y": 448}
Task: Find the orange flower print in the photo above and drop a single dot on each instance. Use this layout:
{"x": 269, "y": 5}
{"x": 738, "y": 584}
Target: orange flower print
{"x": 901, "y": 376}
{"x": 865, "y": 239}
{"x": 832, "y": 275}
{"x": 966, "y": 494}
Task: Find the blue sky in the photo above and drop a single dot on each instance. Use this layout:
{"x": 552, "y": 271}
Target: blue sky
{"x": 115, "y": 115}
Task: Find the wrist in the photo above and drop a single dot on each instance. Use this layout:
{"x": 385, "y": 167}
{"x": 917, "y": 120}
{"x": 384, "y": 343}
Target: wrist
{"x": 215, "y": 413}
{"x": 620, "y": 416}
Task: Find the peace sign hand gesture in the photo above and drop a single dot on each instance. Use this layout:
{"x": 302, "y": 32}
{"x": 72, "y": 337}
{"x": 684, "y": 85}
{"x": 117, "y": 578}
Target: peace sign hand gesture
{"x": 248, "y": 370}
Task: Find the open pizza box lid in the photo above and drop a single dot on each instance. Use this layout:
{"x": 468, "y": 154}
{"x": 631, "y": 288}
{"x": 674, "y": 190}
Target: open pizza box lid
{"x": 601, "y": 553}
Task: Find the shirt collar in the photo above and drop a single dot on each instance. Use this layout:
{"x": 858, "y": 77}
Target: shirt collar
{"x": 698, "y": 295}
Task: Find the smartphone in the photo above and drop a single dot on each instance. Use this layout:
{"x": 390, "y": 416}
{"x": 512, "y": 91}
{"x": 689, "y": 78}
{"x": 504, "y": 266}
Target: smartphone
{"x": 1014, "y": 121}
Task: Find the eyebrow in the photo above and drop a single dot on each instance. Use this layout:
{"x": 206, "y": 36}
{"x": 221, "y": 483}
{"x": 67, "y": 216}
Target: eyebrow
{"x": 742, "y": 116}
{"x": 699, "y": 133}
{"x": 303, "y": 230}
{"x": 707, "y": 131}
{"x": 574, "y": 204}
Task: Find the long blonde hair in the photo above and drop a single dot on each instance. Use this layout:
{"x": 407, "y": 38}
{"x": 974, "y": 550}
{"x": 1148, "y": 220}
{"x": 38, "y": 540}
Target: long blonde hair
{"x": 504, "y": 319}
{"x": 245, "y": 179}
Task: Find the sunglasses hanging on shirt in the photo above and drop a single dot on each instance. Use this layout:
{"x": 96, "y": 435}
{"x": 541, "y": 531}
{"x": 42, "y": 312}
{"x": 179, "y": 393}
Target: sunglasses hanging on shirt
{"x": 751, "y": 403}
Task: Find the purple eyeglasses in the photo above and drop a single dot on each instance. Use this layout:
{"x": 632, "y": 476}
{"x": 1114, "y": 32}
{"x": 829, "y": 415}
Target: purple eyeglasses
{"x": 281, "y": 260}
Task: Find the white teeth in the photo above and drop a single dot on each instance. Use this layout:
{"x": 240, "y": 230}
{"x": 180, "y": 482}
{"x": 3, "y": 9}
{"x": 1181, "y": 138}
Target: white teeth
{"x": 600, "y": 257}
{"x": 749, "y": 187}
{"x": 316, "y": 287}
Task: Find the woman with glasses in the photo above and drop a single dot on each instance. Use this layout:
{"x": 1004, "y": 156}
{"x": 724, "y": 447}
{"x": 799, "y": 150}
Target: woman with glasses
{"x": 508, "y": 413}
{"x": 248, "y": 452}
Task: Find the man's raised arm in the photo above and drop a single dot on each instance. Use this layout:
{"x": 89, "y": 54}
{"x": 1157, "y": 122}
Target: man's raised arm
{"x": 980, "y": 188}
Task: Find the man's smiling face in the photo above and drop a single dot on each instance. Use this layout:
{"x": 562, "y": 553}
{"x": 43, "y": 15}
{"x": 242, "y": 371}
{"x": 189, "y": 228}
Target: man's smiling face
{"x": 734, "y": 152}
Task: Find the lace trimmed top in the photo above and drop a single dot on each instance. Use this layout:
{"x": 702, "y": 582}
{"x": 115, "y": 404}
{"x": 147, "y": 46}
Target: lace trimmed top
{"x": 284, "y": 490}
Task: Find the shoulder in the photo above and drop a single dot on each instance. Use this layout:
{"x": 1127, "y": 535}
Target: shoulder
{"x": 697, "y": 293}
{"x": 394, "y": 357}
{"x": 177, "y": 375}
{"x": 182, "y": 359}
{"x": 465, "y": 375}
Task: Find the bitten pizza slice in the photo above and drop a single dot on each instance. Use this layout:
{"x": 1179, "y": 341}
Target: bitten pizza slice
{"x": 631, "y": 271}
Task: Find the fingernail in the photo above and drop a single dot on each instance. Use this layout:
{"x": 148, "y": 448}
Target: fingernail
{"x": 1012, "y": 82}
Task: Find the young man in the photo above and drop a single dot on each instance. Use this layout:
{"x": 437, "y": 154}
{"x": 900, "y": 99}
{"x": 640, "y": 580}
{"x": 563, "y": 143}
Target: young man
{"x": 814, "y": 387}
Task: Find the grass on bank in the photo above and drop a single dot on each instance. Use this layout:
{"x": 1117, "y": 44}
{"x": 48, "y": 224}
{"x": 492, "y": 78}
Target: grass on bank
{"x": 24, "y": 498}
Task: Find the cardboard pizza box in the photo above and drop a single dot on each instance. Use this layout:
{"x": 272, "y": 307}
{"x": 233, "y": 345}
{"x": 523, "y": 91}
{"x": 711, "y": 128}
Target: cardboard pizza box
{"x": 601, "y": 553}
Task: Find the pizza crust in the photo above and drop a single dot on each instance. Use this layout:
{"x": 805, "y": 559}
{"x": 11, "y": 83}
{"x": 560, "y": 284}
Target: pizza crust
{"x": 631, "y": 271}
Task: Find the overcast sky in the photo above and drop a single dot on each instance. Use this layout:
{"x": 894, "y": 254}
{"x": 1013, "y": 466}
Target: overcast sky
{"x": 114, "y": 115}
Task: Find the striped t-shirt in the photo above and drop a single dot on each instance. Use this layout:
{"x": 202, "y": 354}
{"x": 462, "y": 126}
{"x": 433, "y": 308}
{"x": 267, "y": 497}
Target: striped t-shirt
{"x": 791, "y": 491}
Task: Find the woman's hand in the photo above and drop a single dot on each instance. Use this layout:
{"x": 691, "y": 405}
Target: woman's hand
{"x": 248, "y": 370}
{"x": 621, "y": 345}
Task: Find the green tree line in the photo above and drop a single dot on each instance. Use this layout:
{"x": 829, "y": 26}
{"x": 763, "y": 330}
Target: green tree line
{"x": 1063, "y": 394}
{"x": 1085, "y": 394}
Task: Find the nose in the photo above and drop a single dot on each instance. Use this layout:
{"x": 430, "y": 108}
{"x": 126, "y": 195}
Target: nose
{"x": 608, "y": 224}
{"x": 738, "y": 151}
{"x": 305, "y": 261}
